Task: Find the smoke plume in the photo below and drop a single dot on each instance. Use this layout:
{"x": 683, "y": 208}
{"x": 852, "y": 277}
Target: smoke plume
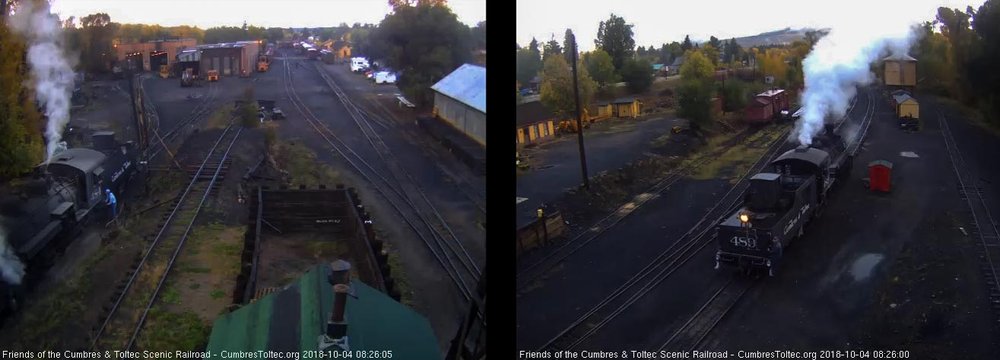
{"x": 11, "y": 267}
{"x": 837, "y": 65}
{"x": 51, "y": 69}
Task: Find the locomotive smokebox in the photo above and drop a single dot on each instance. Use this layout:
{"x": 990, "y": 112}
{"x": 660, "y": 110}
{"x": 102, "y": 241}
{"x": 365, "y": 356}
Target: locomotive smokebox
{"x": 104, "y": 140}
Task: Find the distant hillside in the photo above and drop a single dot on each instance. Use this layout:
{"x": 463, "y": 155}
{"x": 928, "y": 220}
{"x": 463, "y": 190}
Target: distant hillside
{"x": 778, "y": 37}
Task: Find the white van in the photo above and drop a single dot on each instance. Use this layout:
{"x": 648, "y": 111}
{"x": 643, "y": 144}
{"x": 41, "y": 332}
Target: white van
{"x": 358, "y": 64}
{"x": 385, "y": 77}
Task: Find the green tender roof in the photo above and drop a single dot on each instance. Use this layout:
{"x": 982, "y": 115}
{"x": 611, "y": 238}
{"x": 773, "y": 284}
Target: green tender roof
{"x": 292, "y": 320}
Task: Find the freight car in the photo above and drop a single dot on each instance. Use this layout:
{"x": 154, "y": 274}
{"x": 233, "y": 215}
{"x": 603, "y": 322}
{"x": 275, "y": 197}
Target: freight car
{"x": 780, "y": 202}
{"x": 766, "y": 107}
{"x": 40, "y": 215}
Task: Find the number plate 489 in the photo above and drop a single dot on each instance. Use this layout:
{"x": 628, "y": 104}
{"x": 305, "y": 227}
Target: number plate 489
{"x": 744, "y": 242}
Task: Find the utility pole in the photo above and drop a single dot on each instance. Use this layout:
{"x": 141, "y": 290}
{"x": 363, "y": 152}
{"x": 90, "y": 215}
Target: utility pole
{"x": 579, "y": 116}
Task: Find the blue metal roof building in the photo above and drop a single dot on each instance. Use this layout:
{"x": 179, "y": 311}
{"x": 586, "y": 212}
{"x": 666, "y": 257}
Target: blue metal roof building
{"x": 460, "y": 99}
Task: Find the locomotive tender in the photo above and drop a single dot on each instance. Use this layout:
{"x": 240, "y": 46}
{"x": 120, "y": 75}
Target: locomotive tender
{"x": 781, "y": 201}
{"x": 41, "y": 216}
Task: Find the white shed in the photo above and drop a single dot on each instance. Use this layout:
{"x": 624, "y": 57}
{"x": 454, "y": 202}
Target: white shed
{"x": 460, "y": 100}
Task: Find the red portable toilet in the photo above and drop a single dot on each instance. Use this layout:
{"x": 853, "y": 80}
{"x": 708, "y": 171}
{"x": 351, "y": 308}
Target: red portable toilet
{"x": 879, "y": 175}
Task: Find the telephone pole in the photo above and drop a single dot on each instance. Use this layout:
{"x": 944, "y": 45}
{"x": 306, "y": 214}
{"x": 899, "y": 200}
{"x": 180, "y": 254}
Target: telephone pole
{"x": 579, "y": 116}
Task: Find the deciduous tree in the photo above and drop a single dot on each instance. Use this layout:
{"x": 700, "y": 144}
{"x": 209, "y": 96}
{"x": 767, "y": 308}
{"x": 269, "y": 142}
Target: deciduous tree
{"x": 694, "y": 96}
{"x": 600, "y": 67}
{"x": 697, "y": 67}
{"x": 557, "y": 87}
{"x": 638, "y": 75}
{"x": 20, "y": 122}
{"x": 425, "y": 43}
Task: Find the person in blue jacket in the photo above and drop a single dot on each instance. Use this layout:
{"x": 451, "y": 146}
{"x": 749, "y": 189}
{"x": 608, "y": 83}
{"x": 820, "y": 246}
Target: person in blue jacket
{"x": 112, "y": 202}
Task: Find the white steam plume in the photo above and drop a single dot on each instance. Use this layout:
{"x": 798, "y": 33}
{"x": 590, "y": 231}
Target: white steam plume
{"x": 11, "y": 267}
{"x": 51, "y": 70}
{"x": 838, "y": 63}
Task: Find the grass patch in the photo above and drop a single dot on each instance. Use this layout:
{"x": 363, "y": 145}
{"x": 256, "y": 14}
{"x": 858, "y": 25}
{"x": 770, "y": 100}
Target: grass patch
{"x": 171, "y": 296}
{"x": 301, "y": 164}
{"x": 224, "y": 249}
{"x": 194, "y": 286}
{"x": 167, "y": 184}
{"x": 219, "y": 119}
{"x": 735, "y": 161}
{"x": 325, "y": 249}
{"x": 169, "y": 331}
{"x": 217, "y": 294}
{"x": 399, "y": 276}
{"x": 974, "y": 116}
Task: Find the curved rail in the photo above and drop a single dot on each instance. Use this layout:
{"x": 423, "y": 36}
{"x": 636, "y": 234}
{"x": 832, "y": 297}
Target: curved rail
{"x": 364, "y": 121}
{"x": 665, "y": 264}
{"x": 369, "y": 173}
{"x": 200, "y": 110}
{"x": 675, "y": 256}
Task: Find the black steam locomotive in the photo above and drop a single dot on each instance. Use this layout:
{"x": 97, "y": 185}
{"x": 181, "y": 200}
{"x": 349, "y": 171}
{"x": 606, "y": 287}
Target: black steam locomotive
{"x": 781, "y": 201}
{"x": 41, "y": 215}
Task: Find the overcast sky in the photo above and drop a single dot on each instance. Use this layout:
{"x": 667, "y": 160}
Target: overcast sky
{"x": 658, "y": 22}
{"x": 267, "y": 13}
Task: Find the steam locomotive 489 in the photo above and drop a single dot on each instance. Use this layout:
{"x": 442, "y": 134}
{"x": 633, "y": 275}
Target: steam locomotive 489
{"x": 41, "y": 215}
{"x": 781, "y": 201}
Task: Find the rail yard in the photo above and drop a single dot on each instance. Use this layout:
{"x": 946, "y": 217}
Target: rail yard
{"x": 199, "y": 185}
{"x": 857, "y": 218}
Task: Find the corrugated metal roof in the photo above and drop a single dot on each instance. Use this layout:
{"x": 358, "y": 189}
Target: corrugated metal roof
{"x": 467, "y": 84}
{"x": 899, "y": 57}
{"x": 760, "y": 101}
{"x": 902, "y": 97}
{"x": 221, "y": 46}
{"x": 293, "y": 318}
{"x": 623, "y": 100}
{"x": 771, "y": 93}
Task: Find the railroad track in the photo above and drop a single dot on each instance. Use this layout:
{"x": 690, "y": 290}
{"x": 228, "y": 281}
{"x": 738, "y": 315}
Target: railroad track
{"x": 664, "y": 265}
{"x": 201, "y": 109}
{"x": 125, "y": 318}
{"x": 531, "y": 272}
{"x": 404, "y": 180}
{"x": 477, "y": 197}
{"x": 693, "y": 332}
{"x": 671, "y": 259}
{"x": 396, "y": 190}
{"x": 983, "y": 226}
{"x": 535, "y": 270}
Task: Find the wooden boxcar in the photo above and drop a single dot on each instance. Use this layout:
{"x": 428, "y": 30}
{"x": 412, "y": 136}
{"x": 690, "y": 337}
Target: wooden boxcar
{"x": 766, "y": 106}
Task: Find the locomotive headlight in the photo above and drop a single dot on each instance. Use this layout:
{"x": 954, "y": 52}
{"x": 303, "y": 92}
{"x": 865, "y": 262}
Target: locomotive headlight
{"x": 744, "y": 218}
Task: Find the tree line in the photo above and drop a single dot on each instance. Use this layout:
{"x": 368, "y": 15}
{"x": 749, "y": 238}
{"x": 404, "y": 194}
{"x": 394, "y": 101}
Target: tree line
{"x": 423, "y": 39}
{"x": 957, "y": 57}
{"x": 21, "y": 124}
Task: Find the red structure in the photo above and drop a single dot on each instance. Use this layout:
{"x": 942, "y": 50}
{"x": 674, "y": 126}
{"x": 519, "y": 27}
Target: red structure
{"x": 879, "y": 175}
{"x": 766, "y": 106}
{"x": 759, "y": 110}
